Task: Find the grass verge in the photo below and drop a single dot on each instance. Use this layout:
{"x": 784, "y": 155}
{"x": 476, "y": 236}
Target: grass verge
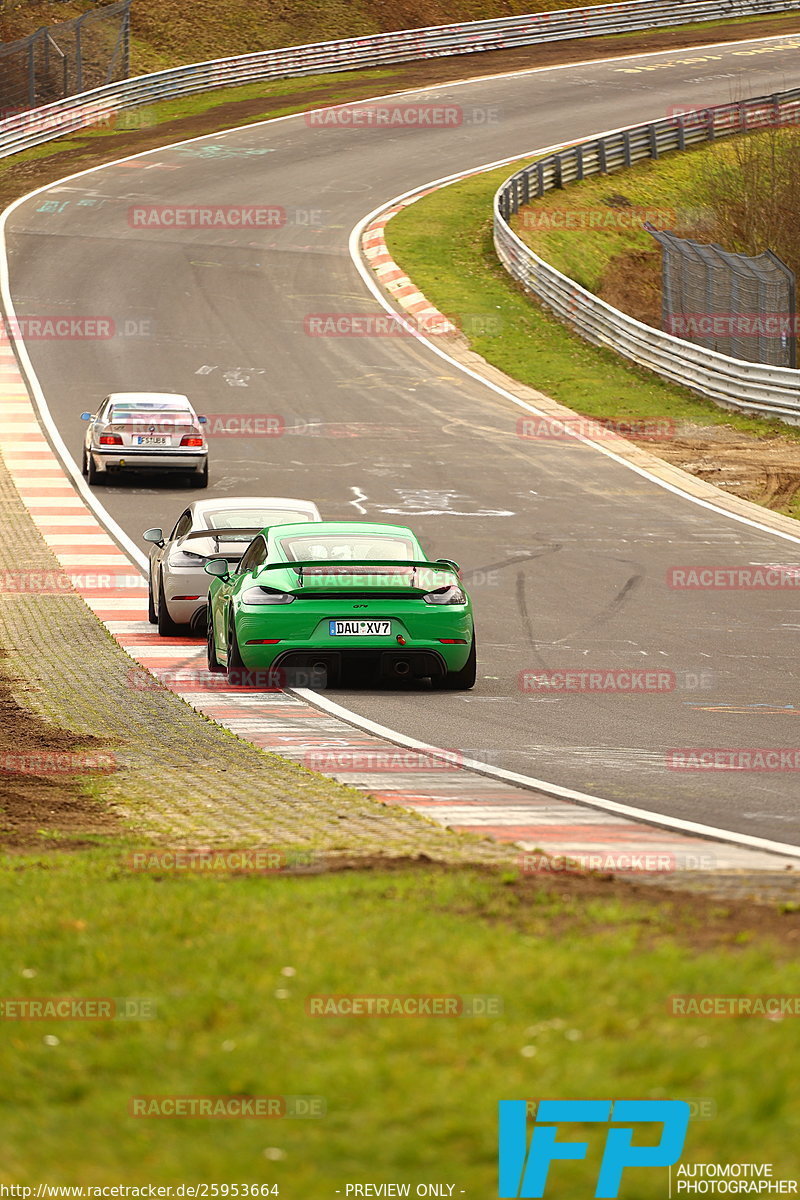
{"x": 444, "y": 242}
{"x": 166, "y": 33}
{"x": 229, "y": 962}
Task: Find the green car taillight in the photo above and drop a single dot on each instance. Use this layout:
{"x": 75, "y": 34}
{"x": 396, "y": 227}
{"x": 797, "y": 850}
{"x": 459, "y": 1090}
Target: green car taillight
{"x": 446, "y": 595}
{"x": 265, "y": 595}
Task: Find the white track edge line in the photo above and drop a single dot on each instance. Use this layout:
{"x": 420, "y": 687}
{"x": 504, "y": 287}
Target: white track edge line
{"x": 139, "y": 558}
{"x": 530, "y": 782}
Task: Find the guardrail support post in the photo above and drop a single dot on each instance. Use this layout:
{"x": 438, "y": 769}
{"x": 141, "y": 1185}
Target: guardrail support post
{"x": 653, "y": 142}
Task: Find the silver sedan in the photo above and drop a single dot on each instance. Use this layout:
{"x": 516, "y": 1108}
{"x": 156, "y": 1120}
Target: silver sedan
{"x": 145, "y": 431}
{"x": 178, "y": 585}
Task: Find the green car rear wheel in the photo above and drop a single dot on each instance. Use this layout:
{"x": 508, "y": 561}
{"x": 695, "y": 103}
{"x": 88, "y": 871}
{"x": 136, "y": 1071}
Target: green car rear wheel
{"x": 235, "y": 665}
{"x": 214, "y": 665}
{"x": 463, "y": 680}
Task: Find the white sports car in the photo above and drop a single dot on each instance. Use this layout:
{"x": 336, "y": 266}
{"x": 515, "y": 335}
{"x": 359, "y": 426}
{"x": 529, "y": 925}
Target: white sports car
{"x": 178, "y": 585}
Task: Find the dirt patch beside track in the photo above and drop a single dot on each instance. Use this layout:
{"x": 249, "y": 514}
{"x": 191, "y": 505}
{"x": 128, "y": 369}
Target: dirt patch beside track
{"x": 764, "y": 470}
{"x": 43, "y": 783}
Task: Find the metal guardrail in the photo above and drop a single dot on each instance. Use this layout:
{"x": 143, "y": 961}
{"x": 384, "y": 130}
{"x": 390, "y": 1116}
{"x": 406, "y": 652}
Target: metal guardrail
{"x": 25, "y": 130}
{"x": 731, "y": 382}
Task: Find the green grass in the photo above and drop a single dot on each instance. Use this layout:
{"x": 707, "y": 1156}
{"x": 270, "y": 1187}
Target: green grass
{"x": 665, "y": 188}
{"x": 91, "y": 140}
{"x": 204, "y": 102}
{"x": 168, "y": 32}
{"x": 407, "y": 1099}
{"x": 444, "y": 242}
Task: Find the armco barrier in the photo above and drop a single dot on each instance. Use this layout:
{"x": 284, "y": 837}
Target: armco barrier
{"x": 731, "y": 382}
{"x": 24, "y": 130}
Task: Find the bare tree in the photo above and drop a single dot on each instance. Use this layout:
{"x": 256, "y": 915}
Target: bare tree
{"x": 753, "y": 186}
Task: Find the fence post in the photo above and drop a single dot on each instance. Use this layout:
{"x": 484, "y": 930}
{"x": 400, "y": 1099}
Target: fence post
{"x": 653, "y": 141}
{"x": 78, "y": 57}
{"x": 791, "y": 296}
{"x": 126, "y": 42}
{"x": 31, "y": 75}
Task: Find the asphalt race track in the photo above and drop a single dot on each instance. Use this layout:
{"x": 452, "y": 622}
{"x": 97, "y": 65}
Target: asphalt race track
{"x": 566, "y": 551}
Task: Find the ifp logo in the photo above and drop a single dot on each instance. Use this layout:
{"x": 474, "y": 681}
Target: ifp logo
{"x": 524, "y": 1170}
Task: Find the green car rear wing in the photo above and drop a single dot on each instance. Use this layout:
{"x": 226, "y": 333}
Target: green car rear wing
{"x": 403, "y": 568}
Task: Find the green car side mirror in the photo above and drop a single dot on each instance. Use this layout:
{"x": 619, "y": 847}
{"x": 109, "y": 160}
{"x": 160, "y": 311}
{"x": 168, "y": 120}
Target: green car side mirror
{"x": 218, "y": 567}
{"x": 154, "y": 535}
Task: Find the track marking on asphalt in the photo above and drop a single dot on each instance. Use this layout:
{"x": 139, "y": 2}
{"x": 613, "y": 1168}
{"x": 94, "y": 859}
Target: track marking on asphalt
{"x": 358, "y": 497}
{"x": 61, "y": 496}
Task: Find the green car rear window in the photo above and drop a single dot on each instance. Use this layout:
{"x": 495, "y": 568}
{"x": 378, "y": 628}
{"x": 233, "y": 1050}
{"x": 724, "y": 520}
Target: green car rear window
{"x": 342, "y": 547}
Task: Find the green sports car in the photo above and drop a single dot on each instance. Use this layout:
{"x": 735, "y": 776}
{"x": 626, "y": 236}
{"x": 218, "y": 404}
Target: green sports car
{"x": 341, "y": 601}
